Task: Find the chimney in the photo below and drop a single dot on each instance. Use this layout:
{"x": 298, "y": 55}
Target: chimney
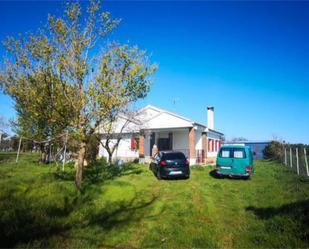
{"x": 210, "y": 117}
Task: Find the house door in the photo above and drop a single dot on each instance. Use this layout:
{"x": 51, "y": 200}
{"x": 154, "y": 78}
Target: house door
{"x": 164, "y": 144}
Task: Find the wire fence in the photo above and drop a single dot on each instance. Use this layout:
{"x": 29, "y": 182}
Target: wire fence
{"x": 53, "y": 149}
{"x": 296, "y": 157}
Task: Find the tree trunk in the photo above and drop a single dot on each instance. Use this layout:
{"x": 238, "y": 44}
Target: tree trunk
{"x": 110, "y": 158}
{"x": 43, "y": 154}
{"x": 82, "y": 127}
{"x": 80, "y": 165}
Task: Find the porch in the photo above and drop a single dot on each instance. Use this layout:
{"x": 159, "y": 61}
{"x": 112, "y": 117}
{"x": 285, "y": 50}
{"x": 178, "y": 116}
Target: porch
{"x": 189, "y": 141}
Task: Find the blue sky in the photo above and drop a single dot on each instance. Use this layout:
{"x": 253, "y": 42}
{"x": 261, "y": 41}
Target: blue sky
{"x": 250, "y": 60}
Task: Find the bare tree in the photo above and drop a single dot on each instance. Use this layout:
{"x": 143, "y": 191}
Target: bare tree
{"x": 114, "y": 129}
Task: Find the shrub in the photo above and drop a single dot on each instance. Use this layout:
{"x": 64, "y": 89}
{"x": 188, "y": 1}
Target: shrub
{"x": 273, "y": 151}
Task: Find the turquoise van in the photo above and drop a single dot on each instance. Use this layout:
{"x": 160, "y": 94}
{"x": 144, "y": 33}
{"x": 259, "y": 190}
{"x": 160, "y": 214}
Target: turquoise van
{"x": 235, "y": 160}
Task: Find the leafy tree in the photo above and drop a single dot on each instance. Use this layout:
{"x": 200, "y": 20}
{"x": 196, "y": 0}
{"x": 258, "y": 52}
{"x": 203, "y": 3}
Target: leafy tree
{"x": 273, "y": 151}
{"x": 113, "y": 129}
{"x": 76, "y": 89}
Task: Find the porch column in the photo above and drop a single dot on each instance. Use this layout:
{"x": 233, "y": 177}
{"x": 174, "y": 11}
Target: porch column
{"x": 204, "y": 146}
{"x": 141, "y": 145}
{"x": 192, "y": 152}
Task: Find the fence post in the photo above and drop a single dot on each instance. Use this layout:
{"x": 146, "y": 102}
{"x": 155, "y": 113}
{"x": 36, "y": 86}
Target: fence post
{"x": 306, "y": 162}
{"x": 49, "y": 157}
{"x": 17, "y": 156}
{"x": 297, "y": 161}
{"x": 291, "y": 164}
{"x": 285, "y": 157}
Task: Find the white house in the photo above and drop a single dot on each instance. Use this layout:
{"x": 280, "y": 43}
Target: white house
{"x": 154, "y": 129}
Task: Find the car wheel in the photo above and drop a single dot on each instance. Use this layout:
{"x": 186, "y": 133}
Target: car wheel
{"x": 159, "y": 175}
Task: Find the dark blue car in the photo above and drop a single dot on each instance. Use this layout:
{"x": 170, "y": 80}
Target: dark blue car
{"x": 170, "y": 164}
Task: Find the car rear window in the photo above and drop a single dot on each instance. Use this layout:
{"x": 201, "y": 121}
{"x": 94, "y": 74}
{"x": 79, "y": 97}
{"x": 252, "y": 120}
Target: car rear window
{"x": 173, "y": 156}
{"x": 232, "y": 153}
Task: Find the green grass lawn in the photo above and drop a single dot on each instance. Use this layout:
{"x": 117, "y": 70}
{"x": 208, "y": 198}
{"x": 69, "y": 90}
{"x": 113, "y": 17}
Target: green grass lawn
{"x": 130, "y": 208}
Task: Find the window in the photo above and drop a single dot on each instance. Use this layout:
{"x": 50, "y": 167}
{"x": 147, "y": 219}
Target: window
{"x": 134, "y": 143}
{"x": 217, "y": 145}
{"x": 239, "y": 153}
{"x": 209, "y": 144}
{"x": 225, "y": 153}
{"x": 232, "y": 153}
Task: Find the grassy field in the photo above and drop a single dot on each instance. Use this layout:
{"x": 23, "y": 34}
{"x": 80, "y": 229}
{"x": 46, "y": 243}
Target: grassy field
{"x": 130, "y": 208}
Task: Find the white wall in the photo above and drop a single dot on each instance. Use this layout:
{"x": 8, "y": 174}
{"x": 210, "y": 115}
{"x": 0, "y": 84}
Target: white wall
{"x": 165, "y": 120}
{"x": 123, "y": 150}
{"x": 198, "y": 139}
{"x": 181, "y": 140}
{"x": 147, "y": 144}
{"x": 216, "y": 137}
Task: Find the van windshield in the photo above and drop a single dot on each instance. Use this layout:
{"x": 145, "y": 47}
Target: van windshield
{"x": 232, "y": 153}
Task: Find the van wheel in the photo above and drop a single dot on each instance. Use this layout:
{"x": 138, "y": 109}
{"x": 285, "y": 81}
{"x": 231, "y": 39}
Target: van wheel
{"x": 248, "y": 177}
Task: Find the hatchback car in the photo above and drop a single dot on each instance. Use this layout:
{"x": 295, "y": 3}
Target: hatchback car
{"x": 170, "y": 164}
{"x": 235, "y": 160}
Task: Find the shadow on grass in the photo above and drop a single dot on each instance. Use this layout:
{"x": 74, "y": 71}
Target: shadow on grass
{"x": 122, "y": 212}
{"x": 25, "y": 219}
{"x": 99, "y": 172}
{"x": 292, "y": 209}
{"x": 7, "y": 156}
{"x": 114, "y": 215}
{"x": 296, "y": 211}
{"x": 215, "y": 175}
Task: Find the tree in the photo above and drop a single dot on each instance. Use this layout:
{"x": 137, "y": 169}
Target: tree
{"x": 3, "y": 126}
{"x": 273, "y": 151}
{"x": 92, "y": 88}
{"x": 114, "y": 128}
